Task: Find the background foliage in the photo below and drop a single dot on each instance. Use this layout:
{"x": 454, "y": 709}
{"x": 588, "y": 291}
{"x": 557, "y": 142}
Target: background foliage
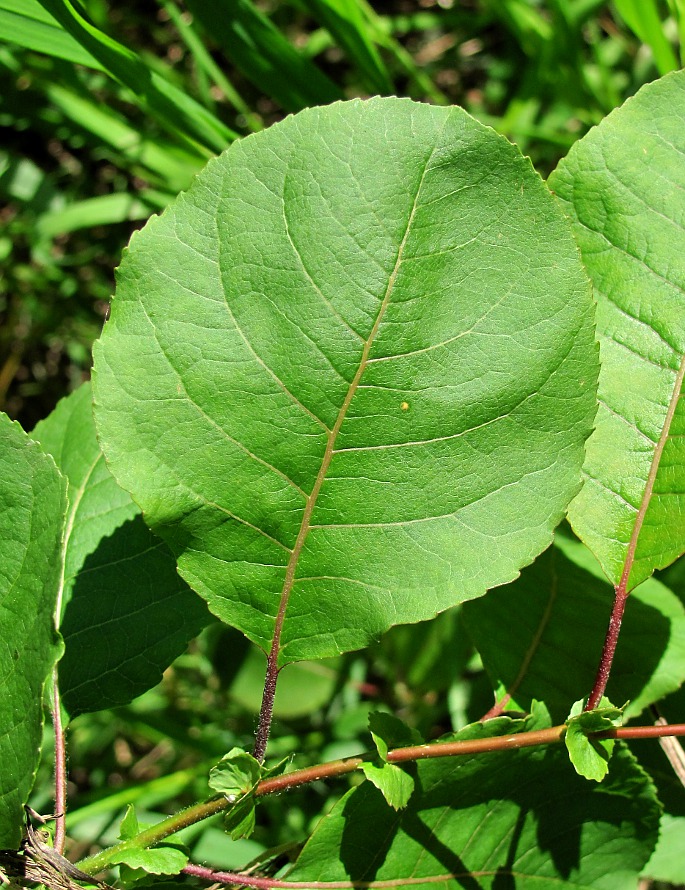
{"x": 102, "y": 126}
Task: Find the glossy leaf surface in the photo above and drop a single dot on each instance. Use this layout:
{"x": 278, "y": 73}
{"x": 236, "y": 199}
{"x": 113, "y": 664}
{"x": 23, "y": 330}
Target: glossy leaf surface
{"x": 349, "y": 378}
{"x": 623, "y": 186}
{"x": 460, "y": 830}
{"x": 32, "y": 516}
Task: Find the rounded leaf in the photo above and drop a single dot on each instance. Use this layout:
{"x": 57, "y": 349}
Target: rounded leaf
{"x": 348, "y": 376}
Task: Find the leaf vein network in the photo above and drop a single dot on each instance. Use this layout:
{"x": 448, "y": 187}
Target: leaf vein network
{"x": 213, "y": 422}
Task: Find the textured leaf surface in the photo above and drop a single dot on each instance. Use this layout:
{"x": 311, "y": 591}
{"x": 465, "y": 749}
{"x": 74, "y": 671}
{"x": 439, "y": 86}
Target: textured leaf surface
{"x": 128, "y": 614}
{"x": 32, "y": 516}
{"x": 566, "y": 603}
{"x": 349, "y": 374}
{"x": 552, "y": 827}
{"x": 624, "y": 187}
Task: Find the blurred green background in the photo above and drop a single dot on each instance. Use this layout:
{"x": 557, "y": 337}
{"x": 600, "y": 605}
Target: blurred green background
{"x": 107, "y": 110}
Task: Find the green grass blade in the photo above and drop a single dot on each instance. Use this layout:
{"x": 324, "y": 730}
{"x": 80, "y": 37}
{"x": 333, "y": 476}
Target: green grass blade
{"x": 208, "y": 66}
{"x": 27, "y": 24}
{"x": 345, "y": 21}
{"x": 99, "y": 211}
{"x": 642, "y": 17}
{"x": 176, "y": 111}
{"x": 169, "y": 165}
{"x": 381, "y": 32}
{"x": 263, "y": 54}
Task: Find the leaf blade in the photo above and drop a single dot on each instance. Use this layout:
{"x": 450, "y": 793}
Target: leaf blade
{"x": 625, "y": 206}
{"x": 32, "y": 515}
{"x": 119, "y": 580}
{"x": 332, "y": 441}
{"x": 567, "y": 606}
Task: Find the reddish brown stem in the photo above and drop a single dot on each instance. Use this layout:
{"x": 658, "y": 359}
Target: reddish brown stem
{"x": 60, "y": 768}
{"x": 266, "y": 711}
{"x": 267, "y": 708}
{"x": 497, "y": 709}
{"x": 622, "y": 590}
{"x": 609, "y": 648}
{"x": 660, "y": 731}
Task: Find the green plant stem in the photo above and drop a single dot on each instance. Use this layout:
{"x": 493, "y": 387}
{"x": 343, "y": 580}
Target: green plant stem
{"x": 103, "y": 860}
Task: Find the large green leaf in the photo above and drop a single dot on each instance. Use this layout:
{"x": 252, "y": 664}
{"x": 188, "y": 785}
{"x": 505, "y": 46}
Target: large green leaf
{"x": 623, "y": 186}
{"x": 32, "y": 516}
{"x": 564, "y": 620}
{"x": 514, "y": 819}
{"x": 348, "y": 376}
{"x": 120, "y": 582}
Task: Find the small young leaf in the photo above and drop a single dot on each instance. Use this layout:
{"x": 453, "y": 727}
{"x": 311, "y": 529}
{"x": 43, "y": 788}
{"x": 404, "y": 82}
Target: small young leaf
{"x": 590, "y": 756}
{"x": 239, "y": 821}
{"x": 129, "y": 824}
{"x": 394, "y": 783}
{"x": 388, "y": 731}
{"x": 164, "y": 859}
{"x": 235, "y": 774}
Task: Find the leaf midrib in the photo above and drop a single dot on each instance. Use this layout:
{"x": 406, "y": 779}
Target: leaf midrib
{"x": 629, "y": 562}
{"x": 305, "y": 524}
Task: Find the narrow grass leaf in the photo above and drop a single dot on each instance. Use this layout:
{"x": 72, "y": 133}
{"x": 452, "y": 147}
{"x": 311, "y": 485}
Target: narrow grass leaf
{"x": 263, "y": 54}
{"x": 623, "y": 185}
{"x": 644, "y": 20}
{"x": 32, "y": 517}
{"x": 27, "y": 24}
{"x": 345, "y": 21}
{"x": 176, "y": 111}
{"x": 101, "y": 211}
{"x": 169, "y": 165}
